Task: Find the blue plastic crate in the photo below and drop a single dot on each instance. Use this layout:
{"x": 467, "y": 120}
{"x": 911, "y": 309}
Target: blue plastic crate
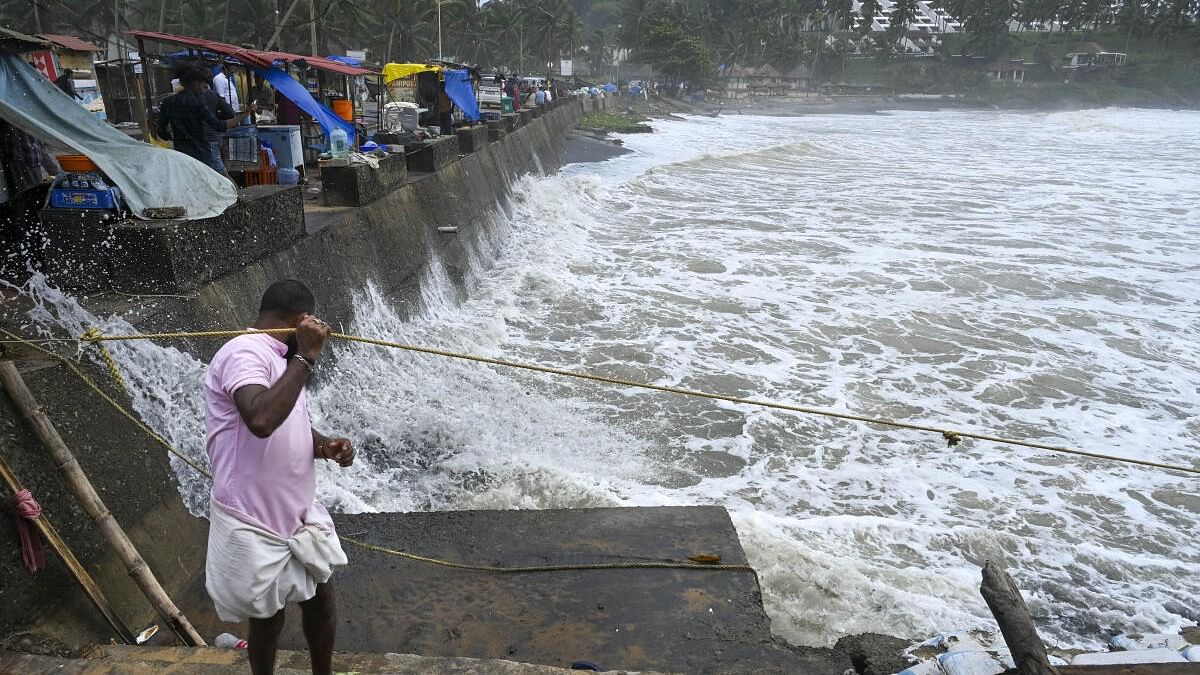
{"x": 83, "y": 190}
{"x": 74, "y": 198}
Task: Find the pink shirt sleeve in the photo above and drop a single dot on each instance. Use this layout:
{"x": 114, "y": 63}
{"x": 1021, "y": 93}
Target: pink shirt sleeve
{"x": 245, "y": 366}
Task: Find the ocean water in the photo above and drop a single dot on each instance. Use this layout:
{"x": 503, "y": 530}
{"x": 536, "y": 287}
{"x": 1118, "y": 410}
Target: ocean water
{"x": 1029, "y": 275}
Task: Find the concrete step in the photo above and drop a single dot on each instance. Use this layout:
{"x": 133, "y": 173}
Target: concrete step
{"x": 125, "y": 660}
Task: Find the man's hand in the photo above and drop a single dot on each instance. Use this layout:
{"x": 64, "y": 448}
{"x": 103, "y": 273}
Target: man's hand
{"x": 338, "y": 450}
{"x": 311, "y": 334}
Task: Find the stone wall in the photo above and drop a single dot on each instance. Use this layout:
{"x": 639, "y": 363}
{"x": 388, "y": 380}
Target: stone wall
{"x": 174, "y": 256}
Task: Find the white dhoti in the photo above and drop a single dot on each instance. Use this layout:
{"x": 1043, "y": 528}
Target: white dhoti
{"x": 253, "y": 573}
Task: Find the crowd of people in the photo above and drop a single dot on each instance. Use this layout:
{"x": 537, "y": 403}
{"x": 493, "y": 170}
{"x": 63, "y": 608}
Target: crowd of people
{"x": 529, "y": 92}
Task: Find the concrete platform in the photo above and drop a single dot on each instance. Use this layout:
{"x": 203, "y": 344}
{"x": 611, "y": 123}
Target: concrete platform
{"x": 429, "y": 156}
{"x": 675, "y": 620}
{"x": 497, "y": 129}
{"x": 472, "y": 138}
{"x": 114, "y": 660}
{"x": 359, "y": 184}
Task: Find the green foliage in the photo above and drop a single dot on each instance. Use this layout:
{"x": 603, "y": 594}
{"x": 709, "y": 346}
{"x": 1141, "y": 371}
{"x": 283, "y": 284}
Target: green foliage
{"x": 903, "y": 13}
{"x": 608, "y": 122}
{"x": 869, "y": 10}
{"x": 682, "y": 56}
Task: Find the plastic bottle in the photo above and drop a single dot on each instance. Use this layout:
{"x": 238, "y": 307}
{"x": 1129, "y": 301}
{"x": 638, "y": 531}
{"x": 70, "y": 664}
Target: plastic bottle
{"x": 339, "y": 143}
{"x": 227, "y": 641}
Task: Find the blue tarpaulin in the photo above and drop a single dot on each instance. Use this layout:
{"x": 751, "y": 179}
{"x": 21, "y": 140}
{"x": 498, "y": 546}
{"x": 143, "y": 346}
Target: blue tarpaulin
{"x": 458, "y": 88}
{"x": 296, "y": 93}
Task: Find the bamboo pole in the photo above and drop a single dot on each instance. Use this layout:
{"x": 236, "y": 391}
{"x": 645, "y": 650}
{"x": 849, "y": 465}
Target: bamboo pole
{"x": 109, "y": 528}
{"x": 86, "y": 582}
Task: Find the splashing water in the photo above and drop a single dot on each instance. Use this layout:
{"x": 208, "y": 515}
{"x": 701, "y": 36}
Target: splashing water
{"x": 1033, "y": 275}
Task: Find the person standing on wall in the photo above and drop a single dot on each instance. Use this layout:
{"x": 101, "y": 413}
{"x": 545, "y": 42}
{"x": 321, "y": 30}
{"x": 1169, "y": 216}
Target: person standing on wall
{"x": 445, "y": 109}
{"x": 66, "y": 82}
{"x": 186, "y": 119}
{"x": 270, "y": 542}
{"x": 226, "y": 88}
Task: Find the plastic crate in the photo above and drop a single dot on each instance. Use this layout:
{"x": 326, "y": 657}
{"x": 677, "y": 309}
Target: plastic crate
{"x": 83, "y": 190}
{"x": 83, "y": 199}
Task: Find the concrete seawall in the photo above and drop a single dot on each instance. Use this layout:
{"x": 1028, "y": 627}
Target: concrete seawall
{"x": 388, "y": 243}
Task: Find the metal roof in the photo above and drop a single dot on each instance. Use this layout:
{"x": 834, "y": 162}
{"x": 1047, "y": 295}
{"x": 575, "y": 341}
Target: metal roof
{"x": 252, "y": 57}
{"x": 70, "y": 42}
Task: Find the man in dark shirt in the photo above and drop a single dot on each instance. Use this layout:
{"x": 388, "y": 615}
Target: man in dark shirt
{"x": 186, "y": 119}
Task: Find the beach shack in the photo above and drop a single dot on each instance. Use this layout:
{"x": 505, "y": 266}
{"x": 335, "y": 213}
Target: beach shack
{"x": 71, "y": 53}
{"x": 413, "y": 90}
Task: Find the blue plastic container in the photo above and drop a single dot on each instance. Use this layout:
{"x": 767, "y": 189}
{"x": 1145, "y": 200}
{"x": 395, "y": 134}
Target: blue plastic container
{"x": 83, "y": 191}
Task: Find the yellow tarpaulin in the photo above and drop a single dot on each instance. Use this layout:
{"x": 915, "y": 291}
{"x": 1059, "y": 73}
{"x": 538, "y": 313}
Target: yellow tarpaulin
{"x": 395, "y": 71}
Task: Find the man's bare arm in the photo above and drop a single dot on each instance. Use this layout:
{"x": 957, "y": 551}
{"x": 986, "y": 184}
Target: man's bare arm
{"x": 263, "y": 409}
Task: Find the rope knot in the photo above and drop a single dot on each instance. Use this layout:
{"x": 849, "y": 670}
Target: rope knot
{"x": 952, "y": 438}
{"x": 25, "y": 505}
{"x": 26, "y": 508}
{"x": 95, "y": 337}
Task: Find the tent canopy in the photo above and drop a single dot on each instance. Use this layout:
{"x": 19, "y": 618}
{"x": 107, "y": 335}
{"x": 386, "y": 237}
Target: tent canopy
{"x": 150, "y": 177}
{"x": 395, "y": 71}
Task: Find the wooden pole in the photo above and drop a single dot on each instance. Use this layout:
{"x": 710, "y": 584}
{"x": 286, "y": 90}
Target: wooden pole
{"x": 279, "y": 26}
{"x": 149, "y": 93}
{"x": 312, "y": 25}
{"x": 86, "y": 582}
{"x": 109, "y": 528}
{"x": 1016, "y": 624}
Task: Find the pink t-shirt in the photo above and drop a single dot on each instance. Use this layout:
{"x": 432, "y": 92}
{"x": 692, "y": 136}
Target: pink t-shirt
{"x": 267, "y": 482}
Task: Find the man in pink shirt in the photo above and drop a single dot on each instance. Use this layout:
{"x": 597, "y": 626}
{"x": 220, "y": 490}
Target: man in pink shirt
{"x": 270, "y": 542}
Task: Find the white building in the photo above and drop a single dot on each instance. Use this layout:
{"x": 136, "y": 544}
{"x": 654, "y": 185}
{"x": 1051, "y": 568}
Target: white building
{"x": 924, "y": 31}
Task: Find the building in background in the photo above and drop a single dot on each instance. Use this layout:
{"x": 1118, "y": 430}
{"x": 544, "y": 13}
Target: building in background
{"x": 72, "y": 52}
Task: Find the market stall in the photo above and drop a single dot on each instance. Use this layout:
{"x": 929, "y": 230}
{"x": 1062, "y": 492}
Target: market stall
{"x": 315, "y": 99}
{"x": 414, "y": 89}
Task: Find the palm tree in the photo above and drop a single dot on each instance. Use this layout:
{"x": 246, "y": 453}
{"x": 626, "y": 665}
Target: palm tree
{"x": 903, "y": 13}
{"x": 868, "y": 11}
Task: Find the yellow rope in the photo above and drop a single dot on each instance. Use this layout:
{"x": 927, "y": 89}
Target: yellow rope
{"x": 952, "y": 437}
{"x": 93, "y": 336}
{"x": 372, "y": 547}
{"x": 554, "y": 568}
{"x": 111, "y": 401}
